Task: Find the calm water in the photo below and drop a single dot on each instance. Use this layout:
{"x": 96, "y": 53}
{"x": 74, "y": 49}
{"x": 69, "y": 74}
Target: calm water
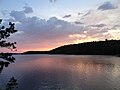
{"x": 62, "y": 72}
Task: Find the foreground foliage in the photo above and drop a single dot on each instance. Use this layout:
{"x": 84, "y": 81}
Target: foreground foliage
{"x": 7, "y": 58}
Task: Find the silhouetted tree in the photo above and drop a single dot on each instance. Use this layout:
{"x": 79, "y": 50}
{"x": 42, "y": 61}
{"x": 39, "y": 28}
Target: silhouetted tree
{"x": 7, "y": 58}
{"x": 11, "y": 84}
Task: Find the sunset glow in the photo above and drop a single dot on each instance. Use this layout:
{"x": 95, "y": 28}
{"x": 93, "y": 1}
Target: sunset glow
{"x": 47, "y": 24}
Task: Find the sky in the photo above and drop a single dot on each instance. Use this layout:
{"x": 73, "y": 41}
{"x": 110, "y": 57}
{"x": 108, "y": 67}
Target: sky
{"x": 46, "y": 24}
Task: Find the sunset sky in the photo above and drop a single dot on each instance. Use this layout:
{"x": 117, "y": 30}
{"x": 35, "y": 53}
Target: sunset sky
{"x": 47, "y": 24}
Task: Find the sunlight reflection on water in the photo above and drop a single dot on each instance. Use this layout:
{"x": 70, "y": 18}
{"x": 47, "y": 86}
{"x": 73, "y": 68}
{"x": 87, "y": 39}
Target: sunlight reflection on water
{"x": 62, "y": 72}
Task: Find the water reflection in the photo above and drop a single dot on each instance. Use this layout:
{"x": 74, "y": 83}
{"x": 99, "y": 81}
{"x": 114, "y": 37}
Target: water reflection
{"x": 3, "y": 64}
{"x": 5, "y": 61}
{"x": 44, "y": 72}
{"x": 11, "y": 84}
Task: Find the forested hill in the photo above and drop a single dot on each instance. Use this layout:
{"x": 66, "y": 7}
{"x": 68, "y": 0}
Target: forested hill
{"x": 108, "y": 47}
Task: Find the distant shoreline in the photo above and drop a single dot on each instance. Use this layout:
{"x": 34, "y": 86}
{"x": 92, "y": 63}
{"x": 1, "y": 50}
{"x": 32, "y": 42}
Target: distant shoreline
{"x": 65, "y": 54}
{"x": 108, "y": 47}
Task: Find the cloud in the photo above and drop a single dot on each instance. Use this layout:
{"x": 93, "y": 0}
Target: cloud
{"x": 79, "y": 13}
{"x": 28, "y": 9}
{"x": 94, "y": 17}
{"x": 21, "y": 15}
{"x": 18, "y": 15}
{"x": 41, "y": 33}
{"x": 52, "y": 32}
{"x": 40, "y": 29}
{"x": 89, "y": 12}
{"x": 78, "y": 22}
{"x": 67, "y": 16}
{"x": 115, "y": 27}
{"x": 98, "y": 25}
{"x": 5, "y": 12}
{"x": 107, "y": 6}
{"x": 53, "y": 1}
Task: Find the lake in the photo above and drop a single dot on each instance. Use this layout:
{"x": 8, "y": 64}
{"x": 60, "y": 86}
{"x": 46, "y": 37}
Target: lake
{"x": 63, "y": 72}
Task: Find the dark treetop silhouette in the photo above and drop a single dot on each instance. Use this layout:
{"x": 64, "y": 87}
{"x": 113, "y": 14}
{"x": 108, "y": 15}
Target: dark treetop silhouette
{"x": 7, "y": 58}
{"x": 108, "y": 47}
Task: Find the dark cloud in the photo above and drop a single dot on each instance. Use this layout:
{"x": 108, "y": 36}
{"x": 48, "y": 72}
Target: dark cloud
{"x": 78, "y": 22}
{"x": 79, "y": 13}
{"x": 21, "y": 15}
{"x": 53, "y": 1}
{"x": 86, "y": 14}
{"x": 99, "y": 25}
{"x": 107, "y": 6}
{"x": 28, "y": 9}
{"x": 89, "y": 12}
{"x": 40, "y": 31}
{"x": 115, "y": 27}
{"x": 67, "y": 16}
